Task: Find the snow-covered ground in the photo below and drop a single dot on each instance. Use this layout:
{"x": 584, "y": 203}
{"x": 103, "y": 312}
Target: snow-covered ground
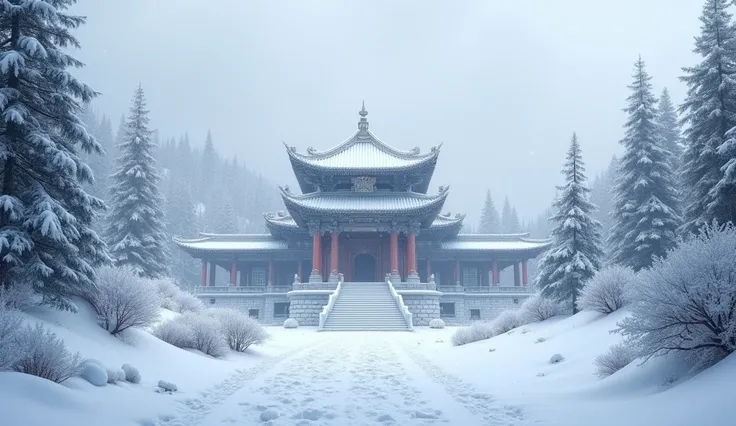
{"x": 302, "y": 377}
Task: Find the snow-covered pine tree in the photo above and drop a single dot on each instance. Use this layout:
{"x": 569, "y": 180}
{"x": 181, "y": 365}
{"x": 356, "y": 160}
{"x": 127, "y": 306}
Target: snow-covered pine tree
{"x": 708, "y": 114}
{"x": 208, "y": 168}
{"x": 576, "y": 237}
{"x": 509, "y": 218}
{"x": 136, "y": 232}
{"x": 602, "y": 196}
{"x": 645, "y": 217}
{"x": 181, "y": 222}
{"x": 45, "y": 234}
{"x": 221, "y": 216}
{"x": 490, "y": 221}
{"x": 670, "y": 129}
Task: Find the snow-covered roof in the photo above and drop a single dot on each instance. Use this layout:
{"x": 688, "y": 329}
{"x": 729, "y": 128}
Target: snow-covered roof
{"x": 364, "y": 202}
{"x": 284, "y": 220}
{"x": 233, "y": 242}
{"x": 363, "y": 151}
{"x": 495, "y": 242}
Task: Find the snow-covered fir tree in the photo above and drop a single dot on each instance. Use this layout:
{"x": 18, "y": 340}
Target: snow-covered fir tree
{"x": 136, "y": 232}
{"x": 181, "y": 222}
{"x": 670, "y": 129}
{"x": 602, "y": 196}
{"x": 708, "y": 114}
{"x": 576, "y": 237}
{"x": 45, "y": 234}
{"x": 208, "y": 169}
{"x": 509, "y": 219}
{"x": 490, "y": 221}
{"x": 221, "y": 216}
{"x": 645, "y": 204}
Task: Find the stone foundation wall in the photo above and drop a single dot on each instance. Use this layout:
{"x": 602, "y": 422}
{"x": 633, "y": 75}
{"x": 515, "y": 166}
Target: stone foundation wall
{"x": 489, "y": 305}
{"x": 424, "y": 308}
{"x": 244, "y": 303}
{"x": 306, "y": 308}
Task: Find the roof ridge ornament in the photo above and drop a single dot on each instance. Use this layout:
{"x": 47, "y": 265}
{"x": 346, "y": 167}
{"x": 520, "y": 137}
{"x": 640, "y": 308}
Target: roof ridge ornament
{"x": 363, "y": 123}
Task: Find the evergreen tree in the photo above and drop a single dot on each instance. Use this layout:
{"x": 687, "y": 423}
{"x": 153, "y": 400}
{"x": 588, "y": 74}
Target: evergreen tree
{"x": 509, "y": 218}
{"x": 490, "y": 221}
{"x": 221, "y": 215}
{"x": 45, "y": 234}
{"x": 181, "y": 223}
{"x": 645, "y": 205}
{"x": 208, "y": 168}
{"x": 670, "y": 129}
{"x": 709, "y": 112}
{"x": 136, "y": 232}
{"x": 576, "y": 249}
{"x": 602, "y": 197}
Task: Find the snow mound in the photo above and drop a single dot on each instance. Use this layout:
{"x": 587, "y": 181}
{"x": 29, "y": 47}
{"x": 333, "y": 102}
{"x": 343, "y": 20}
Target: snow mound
{"x": 94, "y": 372}
{"x": 291, "y": 323}
{"x": 437, "y": 323}
{"x": 132, "y": 374}
{"x": 167, "y": 386}
{"x": 269, "y": 415}
{"x": 556, "y": 359}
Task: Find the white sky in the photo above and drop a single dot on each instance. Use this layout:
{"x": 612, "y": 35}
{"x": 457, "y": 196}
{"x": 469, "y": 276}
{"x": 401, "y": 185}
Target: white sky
{"x": 502, "y": 83}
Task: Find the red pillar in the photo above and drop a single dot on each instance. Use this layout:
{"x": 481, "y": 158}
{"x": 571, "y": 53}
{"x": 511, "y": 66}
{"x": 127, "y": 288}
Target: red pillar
{"x": 394, "y": 253}
{"x": 213, "y": 272}
{"x": 316, "y": 251}
{"x": 457, "y": 272}
{"x": 524, "y": 273}
{"x": 411, "y": 243}
{"x": 204, "y": 273}
{"x": 233, "y": 273}
{"x": 334, "y": 253}
{"x": 517, "y": 281}
{"x": 495, "y": 273}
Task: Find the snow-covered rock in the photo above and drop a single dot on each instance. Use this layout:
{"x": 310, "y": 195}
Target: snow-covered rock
{"x": 556, "y": 359}
{"x": 167, "y": 386}
{"x": 94, "y": 372}
{"x": 269, "y": 415}
{"x": 132, "y": 374}
{"x": 437, "y": 323}
{"x": 291, "y": 323}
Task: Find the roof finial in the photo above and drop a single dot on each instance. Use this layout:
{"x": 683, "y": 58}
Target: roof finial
{"x": 363, "y": 124}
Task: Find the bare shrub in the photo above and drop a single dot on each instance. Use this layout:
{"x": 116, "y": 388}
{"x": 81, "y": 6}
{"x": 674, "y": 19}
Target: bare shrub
{"x": 175, "y": 299}
{"x": 175, "y": 332}
{"x": 473, "y": 333}
{"x": 291, "y": 323}
{"x": 206, "y": 334}
{"x": 606, "y": 291}
{"x": 506, "y": 321}
{"x": 20, "y": 296}
{"x": 687, "y": 303}
{"x": 124, "y": 300}
{"x": 618, "y": 356}
{"x": 45, "y": 355}
{"x": 189, "y": 303}
{"x": 538, "y": 308}
{"x": 10, "y": 325}
{"x": 437, "y": 323}
{"x": 240, "y": 331}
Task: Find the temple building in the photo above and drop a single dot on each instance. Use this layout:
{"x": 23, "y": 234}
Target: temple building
{"x": 364, "y": 221}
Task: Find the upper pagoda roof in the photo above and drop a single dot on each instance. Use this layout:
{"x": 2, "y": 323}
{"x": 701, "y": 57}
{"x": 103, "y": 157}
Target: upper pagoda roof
{"x": 363, "y": 154}
{"x": 369, "y": 204}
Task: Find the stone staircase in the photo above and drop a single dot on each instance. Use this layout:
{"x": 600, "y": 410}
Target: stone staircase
{"x": 365, "y": 306}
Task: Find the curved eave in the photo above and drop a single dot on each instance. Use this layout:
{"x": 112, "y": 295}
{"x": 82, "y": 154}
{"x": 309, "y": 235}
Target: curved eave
{"x": 298, "y": 206}
{"x": 444, "y": 226}
{"x": 283, "y": 226}
{"x": 242, "y": 243}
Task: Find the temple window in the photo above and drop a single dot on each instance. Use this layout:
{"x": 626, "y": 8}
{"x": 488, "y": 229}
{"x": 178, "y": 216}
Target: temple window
{"x": 470, "y": 276}
{"x": 474, "y": 314}
{"x": 258, "y": 276}
{"x": 281, "y": 310}
{"x": 447, "y": 310}
{"x": 253, "y": 313}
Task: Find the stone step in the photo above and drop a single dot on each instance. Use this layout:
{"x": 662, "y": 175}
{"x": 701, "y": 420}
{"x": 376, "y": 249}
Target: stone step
{"x": 365, "y": 307}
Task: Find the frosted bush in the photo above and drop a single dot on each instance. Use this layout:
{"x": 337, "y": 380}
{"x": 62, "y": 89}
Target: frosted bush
{"x": 115, "y": 375}
{"x": 437, "y": 323}
{"x": 475, "y": 332}
{"x": 240, "y": 331}
{"x": 556, "y": 359}
{"x": 10, "y": 325}
{"x": 131, "y": 374}
{"x": 167, "y": 386}
{"x": 291, "y": 323}
{"x": 19, "y": 296}
{"x": 506, "y": 321}
{"x": 174, "y": 332}
{"x": 618, "y": 356}
{"x": 187, "y": 302}
{"x": 124, "y": 300}
{"x": 93, "y": 372}
{"x": 538, "y": 308}
{"x": 45, "y": 355}
{"x": 687, "y": 303}
{"x": 606, "y": 291}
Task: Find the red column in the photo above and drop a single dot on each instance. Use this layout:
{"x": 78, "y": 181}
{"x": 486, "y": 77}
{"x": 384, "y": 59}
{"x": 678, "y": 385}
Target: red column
{"x": 517, "y": 281}
{"x": 233, "y": 274}
{"x": 316, "y": 249}
{"x": 204, "y": 273}
{"x": 495, "y": 273}
{"x": 524, "y": 273}
{"x": 411, "y": 243}
{"x": 457, "y": 272}
{"x": 334, "y": 252}
{"x": 213, "y": 272}
{"x": 394, "y": 253}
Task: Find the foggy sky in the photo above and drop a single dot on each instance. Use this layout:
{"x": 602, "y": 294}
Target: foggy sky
{"x": 503, "y": 84}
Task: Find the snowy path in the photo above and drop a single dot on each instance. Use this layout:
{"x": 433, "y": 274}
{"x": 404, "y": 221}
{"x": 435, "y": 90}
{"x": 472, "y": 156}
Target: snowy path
{"x": 346, "y": 379}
